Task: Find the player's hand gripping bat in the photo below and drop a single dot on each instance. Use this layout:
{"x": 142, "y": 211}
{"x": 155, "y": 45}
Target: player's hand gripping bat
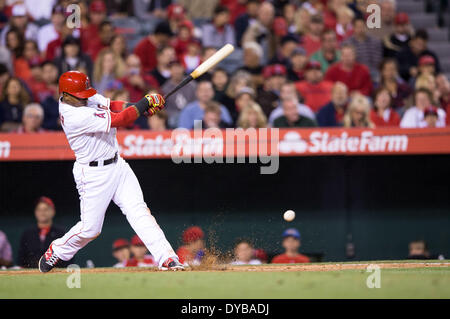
{"x": 204, "y": 67}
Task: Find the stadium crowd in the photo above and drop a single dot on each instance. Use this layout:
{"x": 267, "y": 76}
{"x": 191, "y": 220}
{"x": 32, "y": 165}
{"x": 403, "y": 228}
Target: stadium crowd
{"x": 298, "y": 63}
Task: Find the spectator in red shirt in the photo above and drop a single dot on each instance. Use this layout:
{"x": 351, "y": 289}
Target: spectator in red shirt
{"x": 175, "y": 15}
{"x": 355, "y": 75}
{"x": 140, "y": 258}
{"x": 344, "y": 25}
{"x": 106, "y": 33}
{"x": 135, "y": 81}
{"x": 382, "y": 113}
{"x": 148, "y": 47}
{"x": 31, "y": 53}
{"x": 291, "y": 243}
{"x": 15, "y": 42}
{"x": 121, "y": 252}
{"x": 331, "y": 11}
{"x": 236, "y": 7}
{"x": 443, "y": 92}
{"x": 47, "y": 83}
{"x": 192, "y": 251}
{"x": 311, "y": 41}
{"x": 430, "y": 116}
{"x": 54, "y": 46}
{"x": 315, "y": 91}
{"x": 183, "y": 38}
{"x": 90, "y": 34}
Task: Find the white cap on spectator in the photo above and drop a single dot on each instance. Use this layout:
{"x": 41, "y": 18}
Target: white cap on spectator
{"x": 19, "y": 10}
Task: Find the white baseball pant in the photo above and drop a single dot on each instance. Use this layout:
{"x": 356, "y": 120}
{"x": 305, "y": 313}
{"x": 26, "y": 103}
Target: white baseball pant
{"x": 97, "y": 186}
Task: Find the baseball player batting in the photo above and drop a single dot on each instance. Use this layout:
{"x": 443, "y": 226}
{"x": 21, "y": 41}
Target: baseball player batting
{"x": 90, "y": 121}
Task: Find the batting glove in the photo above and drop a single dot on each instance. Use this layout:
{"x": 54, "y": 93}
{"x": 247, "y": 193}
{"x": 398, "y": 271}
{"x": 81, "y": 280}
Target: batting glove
{"x": 155, "y": 102}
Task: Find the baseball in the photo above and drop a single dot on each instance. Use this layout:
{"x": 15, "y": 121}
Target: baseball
{"x": 289, "y": 215}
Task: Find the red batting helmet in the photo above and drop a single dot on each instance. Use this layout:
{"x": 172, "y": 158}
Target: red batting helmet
{"x": 77, "y": 84}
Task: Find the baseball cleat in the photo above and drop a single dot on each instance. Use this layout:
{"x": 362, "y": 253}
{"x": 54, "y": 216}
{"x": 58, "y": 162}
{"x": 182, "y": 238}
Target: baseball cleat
{"x": 172, "y": 264}
{"x": 48, "y": 261}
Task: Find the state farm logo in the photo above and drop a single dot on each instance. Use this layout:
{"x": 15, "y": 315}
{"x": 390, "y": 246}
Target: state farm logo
{"x": 137, "y": 145}
{"x": 5, "y": 148}
{"x": 322, "y": 142}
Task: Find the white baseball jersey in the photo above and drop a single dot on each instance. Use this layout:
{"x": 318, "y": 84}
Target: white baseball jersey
{"x": 88, "y": 129}
{"x": 414, "y": 118}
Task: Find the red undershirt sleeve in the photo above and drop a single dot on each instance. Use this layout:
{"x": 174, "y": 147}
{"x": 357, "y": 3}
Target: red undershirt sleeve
{"x": 117, "y": 106}
{"x": 125, "y": 117}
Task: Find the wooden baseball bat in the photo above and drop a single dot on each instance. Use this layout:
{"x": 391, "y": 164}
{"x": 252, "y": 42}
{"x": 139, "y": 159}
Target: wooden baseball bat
{"x": 204, "y": 67}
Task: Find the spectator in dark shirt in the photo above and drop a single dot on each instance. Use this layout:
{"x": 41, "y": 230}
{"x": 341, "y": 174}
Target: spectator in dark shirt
{"x": 253, "y": 55}
{"x": 220, "y": 83}
{"x": 331, "y": 114}
{"x": 398, "y": 40}
{"x": 242, "y": 22}
{"x": 418, "y": 250}
{"x": 51, "y": 112}
{"x": 72, "y": 58}
{"x": 162, "y": 71}
{"x": 291, "y": 116}
{"x": 33, "y": 116}
{"x": 274, "y": 78}
{"x": 13, "y": 99}
{"x": 35, "y": 240}
{"x": 408, "y": 59}
{"x": 390, "y": 79}
{"x": 287, "y": 46}
{"x": 297, "y": 64}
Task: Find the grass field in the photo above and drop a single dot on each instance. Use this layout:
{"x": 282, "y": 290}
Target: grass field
{"x": 346, "y": 280}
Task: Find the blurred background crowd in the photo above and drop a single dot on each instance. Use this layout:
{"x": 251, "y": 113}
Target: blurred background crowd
{"x": 297, "y": 63}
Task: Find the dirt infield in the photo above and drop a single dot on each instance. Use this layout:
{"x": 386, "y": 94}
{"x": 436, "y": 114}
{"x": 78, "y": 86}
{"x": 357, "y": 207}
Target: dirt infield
{"x": 260, "y": 268}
